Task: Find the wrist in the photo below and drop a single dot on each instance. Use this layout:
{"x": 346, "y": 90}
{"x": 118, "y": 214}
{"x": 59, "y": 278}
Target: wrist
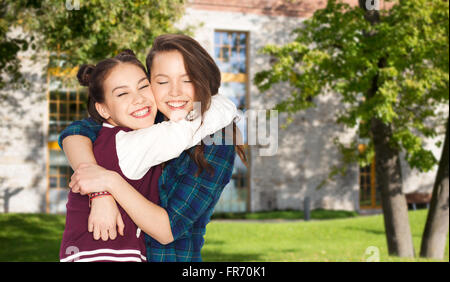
{"x": 112, "y": 181}
{"x": 97, "y": 195}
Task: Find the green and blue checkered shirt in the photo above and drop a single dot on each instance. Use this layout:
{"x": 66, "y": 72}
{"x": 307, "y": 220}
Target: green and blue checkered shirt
{"x": 188, "y": 200}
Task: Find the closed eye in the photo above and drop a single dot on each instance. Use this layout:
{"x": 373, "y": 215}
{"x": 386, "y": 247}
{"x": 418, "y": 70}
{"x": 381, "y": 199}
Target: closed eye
{"x": 145, "y": 86}
{"x": 121, "y": 94}
{"x": 162, "y": 82}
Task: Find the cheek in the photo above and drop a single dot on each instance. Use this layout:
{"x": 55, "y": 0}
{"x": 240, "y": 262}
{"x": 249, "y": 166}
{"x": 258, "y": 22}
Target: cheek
{"x": 150, "y": 96}
{"x": 157, "y": 94}
{"x": 190, "y": 91}
{"x": 159, "y": 100}
{"x": 112, "y": 108}
{"x": 121, "y": 109}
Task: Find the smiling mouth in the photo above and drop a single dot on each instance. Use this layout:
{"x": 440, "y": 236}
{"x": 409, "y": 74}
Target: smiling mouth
{"x": 141, "y": 113}
{"x": 177, "y": 105}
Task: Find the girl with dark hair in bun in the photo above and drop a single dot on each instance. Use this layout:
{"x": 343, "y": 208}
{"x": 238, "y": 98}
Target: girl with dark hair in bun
{"x": 131, "y": 146}
{"x": 181, "y": 73}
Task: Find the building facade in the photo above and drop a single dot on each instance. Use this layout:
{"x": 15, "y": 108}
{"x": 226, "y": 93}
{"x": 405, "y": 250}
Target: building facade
{"x": 34, "y": 172}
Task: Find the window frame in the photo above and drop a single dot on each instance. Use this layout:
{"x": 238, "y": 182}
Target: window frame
{"x": 239, "y": 78}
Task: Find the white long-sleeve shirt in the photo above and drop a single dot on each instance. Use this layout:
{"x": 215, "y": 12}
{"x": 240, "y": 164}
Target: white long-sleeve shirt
{"x": 141, "y": 149}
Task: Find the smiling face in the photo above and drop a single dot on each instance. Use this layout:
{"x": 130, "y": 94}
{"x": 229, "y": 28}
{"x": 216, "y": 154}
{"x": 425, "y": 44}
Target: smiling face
{"x": 171, "y": 85}
{"x": 129, "y": 100}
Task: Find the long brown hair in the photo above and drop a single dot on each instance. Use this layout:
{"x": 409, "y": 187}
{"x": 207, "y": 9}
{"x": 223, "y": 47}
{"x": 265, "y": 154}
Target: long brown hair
{"x": 204, "y": 74}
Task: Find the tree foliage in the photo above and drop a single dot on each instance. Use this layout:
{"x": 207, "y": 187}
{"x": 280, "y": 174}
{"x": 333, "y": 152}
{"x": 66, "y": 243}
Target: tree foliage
{"x": 10, "y": 46}
{"x": 88, "y": 31}
{"x": 407, "y": 52}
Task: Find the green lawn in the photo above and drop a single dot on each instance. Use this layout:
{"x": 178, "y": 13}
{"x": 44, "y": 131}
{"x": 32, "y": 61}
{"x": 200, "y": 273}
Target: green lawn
{"x": 36, "y": 237}
{"x": 289, "y": 214}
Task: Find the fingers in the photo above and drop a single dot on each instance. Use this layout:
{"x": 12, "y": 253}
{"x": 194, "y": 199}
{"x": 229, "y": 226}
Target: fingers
{"x": 120, "y": 224}
{"x": 77, "y": 187}
{"x": 96, "y": 232}
{"x": 90, "y": 226}
{"x": 74, "y": 185}
{"x": 101, "y": 232}
{"x": 104, "y": 234}
{"x": 112, "y": 232}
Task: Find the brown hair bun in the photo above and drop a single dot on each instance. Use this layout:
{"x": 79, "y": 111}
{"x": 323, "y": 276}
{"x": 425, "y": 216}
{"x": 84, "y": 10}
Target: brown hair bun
{"x": 125, "y": 53}
{"x": 84, "y": 73}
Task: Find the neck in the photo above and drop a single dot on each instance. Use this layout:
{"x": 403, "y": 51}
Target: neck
{"x": 110, "y": 121}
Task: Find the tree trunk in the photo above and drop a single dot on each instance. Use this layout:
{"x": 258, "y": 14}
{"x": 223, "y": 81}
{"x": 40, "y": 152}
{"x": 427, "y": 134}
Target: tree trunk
{"x": 434, "y": 236}
{"x": 388, "y": 170}
{"x": 393, "y": 201}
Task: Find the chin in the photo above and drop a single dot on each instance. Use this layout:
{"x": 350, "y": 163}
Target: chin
{"x": 142, "y": 124}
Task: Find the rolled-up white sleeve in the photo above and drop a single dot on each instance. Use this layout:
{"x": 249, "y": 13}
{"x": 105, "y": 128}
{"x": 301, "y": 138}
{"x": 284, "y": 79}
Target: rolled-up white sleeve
{"x": 141, "y": 149}
{"x": 220, "y": 114}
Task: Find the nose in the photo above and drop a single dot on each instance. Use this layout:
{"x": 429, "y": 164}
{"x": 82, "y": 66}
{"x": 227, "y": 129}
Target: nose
{"x": 138, "y": 98}
{"x": 175, "y": 90}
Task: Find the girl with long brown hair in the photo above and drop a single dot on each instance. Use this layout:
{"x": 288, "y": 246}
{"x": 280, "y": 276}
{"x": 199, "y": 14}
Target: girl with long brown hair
{"x": 181, "y": 72}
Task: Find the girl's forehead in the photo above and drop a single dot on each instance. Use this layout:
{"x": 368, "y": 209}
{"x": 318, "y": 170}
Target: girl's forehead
{"x": 125, "y": 73}
{"x": 168, "y": 61}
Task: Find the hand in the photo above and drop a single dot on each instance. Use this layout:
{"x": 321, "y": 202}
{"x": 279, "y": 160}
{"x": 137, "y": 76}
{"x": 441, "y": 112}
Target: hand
{"x": 104, "y": 218}
{"x": 90, "y": 178}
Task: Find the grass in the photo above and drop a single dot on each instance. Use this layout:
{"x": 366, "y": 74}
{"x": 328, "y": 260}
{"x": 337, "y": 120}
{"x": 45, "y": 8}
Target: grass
{"x": 30, "y": 237}
{"x": 326, "y": 240}
{"x": 36, "y": 237}
{"x": 315, "y": 214}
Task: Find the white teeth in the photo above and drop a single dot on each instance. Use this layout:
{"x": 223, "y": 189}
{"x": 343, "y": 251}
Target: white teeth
{"x": 177, "y": 104}
{"x": 141, "y": 113}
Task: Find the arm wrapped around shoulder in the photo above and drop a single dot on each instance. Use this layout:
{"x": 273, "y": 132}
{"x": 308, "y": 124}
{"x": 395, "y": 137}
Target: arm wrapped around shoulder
{"x": 141, "y": 149}
{"x": 220, "y": 114}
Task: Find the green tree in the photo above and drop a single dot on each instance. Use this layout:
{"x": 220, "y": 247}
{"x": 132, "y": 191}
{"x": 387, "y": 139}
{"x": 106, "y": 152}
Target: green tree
{"x": 436, "y": 228}
{"x": 62, "y": 34}
{"x": 88, "y": 31}
{"x": 389, "y": 68}
{"x": 10, "y": 45}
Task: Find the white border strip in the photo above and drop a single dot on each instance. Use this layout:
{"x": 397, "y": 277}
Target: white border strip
{"x": 99, "y": 251}
{"x": 109, "y": 258}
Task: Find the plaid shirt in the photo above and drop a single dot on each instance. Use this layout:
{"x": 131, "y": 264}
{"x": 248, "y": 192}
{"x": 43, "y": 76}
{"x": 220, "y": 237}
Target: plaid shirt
{"x": 188, "y": 200}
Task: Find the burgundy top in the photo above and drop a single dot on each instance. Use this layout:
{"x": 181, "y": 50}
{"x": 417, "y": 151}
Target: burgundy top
{"x": 78, "y": 244}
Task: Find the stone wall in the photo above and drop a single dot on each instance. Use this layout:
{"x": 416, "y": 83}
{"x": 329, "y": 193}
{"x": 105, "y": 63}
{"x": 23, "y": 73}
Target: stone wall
{"x": 296, "y": 8}
{"x": 23, "y": 127}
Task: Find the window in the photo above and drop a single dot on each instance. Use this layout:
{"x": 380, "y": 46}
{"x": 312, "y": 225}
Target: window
{"x": 369, "y": 192}
{"x": 231, "y": 55}
{"x": 66, "y": 103}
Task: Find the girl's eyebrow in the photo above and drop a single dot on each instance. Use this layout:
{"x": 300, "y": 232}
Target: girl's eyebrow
{"x": 125, "y": 86}
{"x": 160, "y": 74}
{"x": 122, "y": 86}
{"x": 142, "y": 79}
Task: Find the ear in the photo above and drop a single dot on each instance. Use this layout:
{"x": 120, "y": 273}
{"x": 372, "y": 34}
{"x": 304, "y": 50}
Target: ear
{"x": 102, "y": 110}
